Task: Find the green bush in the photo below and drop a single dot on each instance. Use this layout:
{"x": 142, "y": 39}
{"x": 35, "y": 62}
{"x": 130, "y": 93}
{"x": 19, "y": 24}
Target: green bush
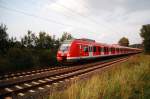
{"x": 47, "y": 57}
{"x": 20, "y": 58}
{"x": 4, "y": 65}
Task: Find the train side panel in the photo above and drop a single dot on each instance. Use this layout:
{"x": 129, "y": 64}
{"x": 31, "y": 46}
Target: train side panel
{"x": 81, "y": 49}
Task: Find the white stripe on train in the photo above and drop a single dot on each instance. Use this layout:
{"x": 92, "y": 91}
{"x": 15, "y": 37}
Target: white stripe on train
{"x": 84, "y": 57}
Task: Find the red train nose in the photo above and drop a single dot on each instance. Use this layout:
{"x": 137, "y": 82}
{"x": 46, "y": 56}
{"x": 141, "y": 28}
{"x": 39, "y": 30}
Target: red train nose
{"x": 61, "y": 56}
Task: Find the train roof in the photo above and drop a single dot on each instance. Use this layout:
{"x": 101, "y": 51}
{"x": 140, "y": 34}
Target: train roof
{"x": 85, "y": 39}
{"x": 90, "y": 41}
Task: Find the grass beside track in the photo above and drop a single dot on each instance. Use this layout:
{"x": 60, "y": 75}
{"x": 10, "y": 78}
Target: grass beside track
{"x": 128, "y": 80}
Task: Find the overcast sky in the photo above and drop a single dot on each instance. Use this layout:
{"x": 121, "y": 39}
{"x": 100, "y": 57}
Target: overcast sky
{"x": 105, "y": 21}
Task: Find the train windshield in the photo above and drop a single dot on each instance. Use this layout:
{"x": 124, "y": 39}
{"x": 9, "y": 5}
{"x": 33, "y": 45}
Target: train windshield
{"x": 64, "y": 47}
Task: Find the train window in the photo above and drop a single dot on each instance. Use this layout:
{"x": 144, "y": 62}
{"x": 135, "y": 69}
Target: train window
{"x": 109, "y": 49}
{"x": 90, "y": 49}
{"x": 113, "y": 49}
{"x": 117, "y": 49}
{"x": 94, "y": 48}
{"x": 120, "y": 50}
{"x": 102, "y": 49}
{"x": 99, "y": 49}
{"x": 85, "y": 49}
{"x": 105, "y": 49}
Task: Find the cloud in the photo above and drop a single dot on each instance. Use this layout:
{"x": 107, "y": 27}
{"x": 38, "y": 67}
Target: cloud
{"x": 65, "y": 6}
{"x": 103, "y": 20}
{"x": 138, "y": 17}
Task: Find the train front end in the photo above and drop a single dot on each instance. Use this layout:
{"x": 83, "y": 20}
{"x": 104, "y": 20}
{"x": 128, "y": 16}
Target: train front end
{"x": 63, "y": 51}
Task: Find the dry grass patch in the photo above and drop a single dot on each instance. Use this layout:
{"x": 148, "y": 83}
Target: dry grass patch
{"x": 128, "y": 80}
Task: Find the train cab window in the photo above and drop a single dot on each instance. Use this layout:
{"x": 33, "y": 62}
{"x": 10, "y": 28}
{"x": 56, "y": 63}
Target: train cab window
{"x": 94, "y": 48}
{"x": 64, "y": 47}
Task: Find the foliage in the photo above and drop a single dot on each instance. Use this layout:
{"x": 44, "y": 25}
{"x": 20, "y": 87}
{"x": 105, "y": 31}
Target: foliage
{"x": 44, "y": 41}
{"x": 124, "y": 41}
{"x": 29, "y": 40}
{"x": 3, "y": 39}
{"x": 33, "y": 51}
{"x": 137, "y": 46}
{"x": 66, "y": 36}
{"x": 145, "y": 34}
{"x": 20, "y": 59}
{"x": 129, "y": 80}
{"x": 46, "y": 57}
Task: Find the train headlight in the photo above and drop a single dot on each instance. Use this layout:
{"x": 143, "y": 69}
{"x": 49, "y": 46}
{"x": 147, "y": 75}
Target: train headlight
{"x": 68, "y": 54}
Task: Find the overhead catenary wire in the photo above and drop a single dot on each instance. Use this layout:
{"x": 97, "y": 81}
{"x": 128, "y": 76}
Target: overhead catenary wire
{"x": 71, "y": 12}
{"x": 75, "y": 12}
{"x": 56, "y": 22}
{"x": 84, "y": 16}
{"x": 60, "y": 23}
{"x": 39, "y": 17}
{"x": 32, "y": 15}
{"x": 66, "y": 15}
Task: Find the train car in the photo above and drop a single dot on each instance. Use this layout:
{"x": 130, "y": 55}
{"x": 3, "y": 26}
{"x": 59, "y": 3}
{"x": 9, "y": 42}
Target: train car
{"x": 85, "y": 49}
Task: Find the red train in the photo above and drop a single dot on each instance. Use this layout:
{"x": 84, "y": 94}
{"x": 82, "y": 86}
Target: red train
{"x": 79, "y": 49}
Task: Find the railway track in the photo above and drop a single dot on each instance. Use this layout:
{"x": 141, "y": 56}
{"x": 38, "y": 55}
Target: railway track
{"x": 11, "y": 75}
{"x": 30, "y": 81}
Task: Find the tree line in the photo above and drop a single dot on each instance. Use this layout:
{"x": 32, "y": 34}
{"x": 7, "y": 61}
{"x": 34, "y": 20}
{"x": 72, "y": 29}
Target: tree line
{"x": 145, "y": 34}
{"x": 38, "y": 51}
{"x": 32, "y": 51}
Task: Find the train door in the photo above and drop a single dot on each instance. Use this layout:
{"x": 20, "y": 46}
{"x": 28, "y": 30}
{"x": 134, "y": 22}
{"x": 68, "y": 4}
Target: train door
{"x": 80, "y": 50}
{"x": 83, "y": 51}
{"x": 90, "y": 51}
{"x": 102, "y": 50}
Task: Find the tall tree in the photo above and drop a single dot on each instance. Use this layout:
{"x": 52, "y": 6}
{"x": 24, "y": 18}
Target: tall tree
{"x": 124, "y": 41}
{"x": 3, "y": 38}
{"x": 66, "y": 36}
{"x": 29, "y": 39}
{"x": 145, "y": 34}
{"x": 44, "y": 40}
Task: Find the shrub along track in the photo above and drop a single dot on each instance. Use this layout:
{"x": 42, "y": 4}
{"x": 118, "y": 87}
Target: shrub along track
{"x": 37, "y": 80}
